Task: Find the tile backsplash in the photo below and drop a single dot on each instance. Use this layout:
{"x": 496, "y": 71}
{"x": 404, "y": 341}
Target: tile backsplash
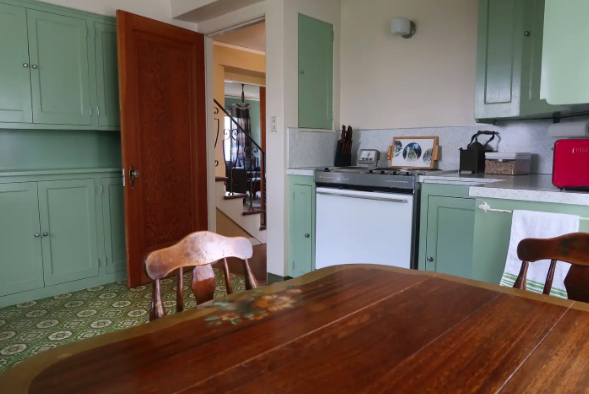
{"x": 317, "y": 149}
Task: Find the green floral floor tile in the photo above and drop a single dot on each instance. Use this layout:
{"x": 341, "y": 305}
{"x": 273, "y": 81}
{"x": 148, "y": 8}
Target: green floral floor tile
{"x": 33, "y": 327}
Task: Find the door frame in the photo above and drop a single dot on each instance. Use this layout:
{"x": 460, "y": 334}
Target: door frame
{"x": 210, "y": 107}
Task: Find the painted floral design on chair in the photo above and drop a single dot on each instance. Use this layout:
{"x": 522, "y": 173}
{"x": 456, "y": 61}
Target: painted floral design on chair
{"x": 257, "y": 306}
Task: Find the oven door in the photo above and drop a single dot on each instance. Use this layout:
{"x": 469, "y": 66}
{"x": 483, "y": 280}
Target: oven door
{"x": 356, "y": 227}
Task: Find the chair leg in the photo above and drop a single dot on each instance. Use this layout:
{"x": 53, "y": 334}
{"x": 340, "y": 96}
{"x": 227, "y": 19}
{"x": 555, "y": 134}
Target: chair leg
{"x": 250, "y": 280}
{"x": 227, "y": 277}
{"x": 157, "y": 307}
{"x": 180, "y": 291}
{"x": 520, "y": 282}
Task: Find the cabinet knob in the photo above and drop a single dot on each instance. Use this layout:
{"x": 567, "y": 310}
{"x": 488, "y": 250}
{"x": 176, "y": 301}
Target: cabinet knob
{"x": 25, "y": 65}
{"x": 45, "y": 234}
{"x": 430, "y": 259}
{"x": 527, "y": 33}
{"x": 307, "y": 235}
{"x": 35, "y": 66}
{"x": 302, "y": 72}
{"x": 37, "y": 235}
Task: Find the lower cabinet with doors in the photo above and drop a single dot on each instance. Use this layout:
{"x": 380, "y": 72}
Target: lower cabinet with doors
{"x": 60, "y": 232}
{"x": 493, "y": 229}
{"x": 446, "y": 230}
{"x": 302, "y": 225}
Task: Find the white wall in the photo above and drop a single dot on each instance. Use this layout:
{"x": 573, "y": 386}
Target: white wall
{"x": 426, "y": 81}
{"x": 160, "y": 10}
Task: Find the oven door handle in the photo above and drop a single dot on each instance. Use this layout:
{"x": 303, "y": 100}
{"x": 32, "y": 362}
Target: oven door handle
{"x": 364, "y": 198}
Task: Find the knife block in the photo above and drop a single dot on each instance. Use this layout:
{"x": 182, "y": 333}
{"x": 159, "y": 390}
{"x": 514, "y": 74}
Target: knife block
{"x": 342, "y": 159}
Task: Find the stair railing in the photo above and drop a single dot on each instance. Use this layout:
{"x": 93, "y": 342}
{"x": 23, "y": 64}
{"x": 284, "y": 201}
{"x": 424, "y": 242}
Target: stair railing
{"x": 242, "y": 167}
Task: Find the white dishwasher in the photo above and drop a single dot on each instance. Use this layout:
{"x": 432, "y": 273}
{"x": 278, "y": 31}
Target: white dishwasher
{"x": 364, "y": 227}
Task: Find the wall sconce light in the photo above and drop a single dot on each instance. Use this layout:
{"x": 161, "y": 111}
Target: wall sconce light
{"x": 404, "y": 27}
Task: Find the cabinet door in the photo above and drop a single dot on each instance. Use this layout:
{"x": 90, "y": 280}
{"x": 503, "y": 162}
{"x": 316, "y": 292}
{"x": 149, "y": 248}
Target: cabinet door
{"x": 15, "y": 77}
{"x": 315, "y": 73}
{"x": 450, "y": 225}
{"x": 60, "y": 76}
{"x": 68, "y": 226}
{"x": 113, "y": 212}
{"x": 301, "y": 228}
{"x": 499, "y": 55}
{"x": 531, "y": 101}
{"x": 21, "y": 266}
{"x": 107, "y": 75}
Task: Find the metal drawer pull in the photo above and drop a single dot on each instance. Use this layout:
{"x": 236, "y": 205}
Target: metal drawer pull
{"x": 487, "y": 208}
{"x": 365, "y": 198}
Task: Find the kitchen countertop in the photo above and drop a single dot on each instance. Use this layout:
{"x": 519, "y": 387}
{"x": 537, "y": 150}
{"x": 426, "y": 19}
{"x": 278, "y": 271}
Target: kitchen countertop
{"x": 301, "y": 171}
{"x": 535, "y": 187}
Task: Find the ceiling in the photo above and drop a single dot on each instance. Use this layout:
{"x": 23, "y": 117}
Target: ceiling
{"x": 251, "y": 37}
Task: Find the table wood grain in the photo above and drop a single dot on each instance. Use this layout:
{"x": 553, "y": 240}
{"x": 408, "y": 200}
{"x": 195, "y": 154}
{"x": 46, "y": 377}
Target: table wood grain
{"x": 346, "y": 329}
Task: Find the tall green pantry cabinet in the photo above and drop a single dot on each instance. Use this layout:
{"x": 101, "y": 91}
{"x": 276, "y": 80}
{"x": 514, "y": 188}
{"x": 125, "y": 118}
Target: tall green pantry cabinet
{"x": 302, "y": 225}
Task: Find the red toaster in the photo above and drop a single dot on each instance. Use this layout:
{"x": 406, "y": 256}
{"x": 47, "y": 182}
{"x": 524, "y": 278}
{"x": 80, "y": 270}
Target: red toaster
{"x": 571, "y": 164}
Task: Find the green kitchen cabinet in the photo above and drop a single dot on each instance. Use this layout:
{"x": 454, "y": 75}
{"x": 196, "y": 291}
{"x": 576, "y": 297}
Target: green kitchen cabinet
{"x": 58, "y": 68}
{"x": 315, "y": 73}
{"x": 509, "y": 61}
{"x": 107, "y": 74}
{"x": 15, "y": 78}
{"x": 68, "y": 227}
{"x": 20, "y": 234}
{"x": 492, "y": 232}
{"x": 302, "y": 225}
{"x": 58, "y": 47}
{"x": 446, "y": 230}
{"x": 114, "y": 224}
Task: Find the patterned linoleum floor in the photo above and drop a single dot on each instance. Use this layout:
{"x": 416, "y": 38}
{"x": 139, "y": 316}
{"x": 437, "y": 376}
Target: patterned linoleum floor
{"x": 32, "y": 327}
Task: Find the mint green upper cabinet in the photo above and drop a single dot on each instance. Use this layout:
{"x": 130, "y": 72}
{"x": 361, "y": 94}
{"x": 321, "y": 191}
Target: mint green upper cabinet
{"x": 302, "y": 225}
{"x": 565, "y": 79}
{"x": 107, "y": 77}
{"x": 58, "y": 47}
{"x": 20, "y": 263}
{"x": 509, "y": 60}
{"x": 315, "y": 73}
{"x": 113, "y": 211}
{"x": 15, "y": 82}
{"x": 68, "y": 226}
{"x": 450, "y": 225}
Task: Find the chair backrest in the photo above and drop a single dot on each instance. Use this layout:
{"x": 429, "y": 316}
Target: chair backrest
{"x": 570, "y": 248}
{"x": 198, "y": 251}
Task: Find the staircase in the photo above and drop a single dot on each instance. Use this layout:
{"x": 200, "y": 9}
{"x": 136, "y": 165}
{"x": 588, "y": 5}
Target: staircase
{"x": 237, "y": 206}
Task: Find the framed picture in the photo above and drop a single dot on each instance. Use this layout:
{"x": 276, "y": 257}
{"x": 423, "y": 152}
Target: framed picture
{"x": 414, "y": 152}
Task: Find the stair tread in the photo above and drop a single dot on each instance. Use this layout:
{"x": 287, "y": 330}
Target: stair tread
{"x": 253, "y": 212}
{"x": 235, "y": 196}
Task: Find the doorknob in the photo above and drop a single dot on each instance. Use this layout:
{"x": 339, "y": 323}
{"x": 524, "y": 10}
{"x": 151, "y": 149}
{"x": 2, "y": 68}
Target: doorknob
{"x": 133, "y": 174}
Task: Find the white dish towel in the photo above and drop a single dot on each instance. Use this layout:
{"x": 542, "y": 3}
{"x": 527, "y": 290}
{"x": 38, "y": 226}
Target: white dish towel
{"x": 529, "y": 224}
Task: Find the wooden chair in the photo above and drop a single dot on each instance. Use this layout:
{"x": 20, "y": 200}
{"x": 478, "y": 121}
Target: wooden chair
{"x": 198, "y": 250}
{"x": 570, "y": 248}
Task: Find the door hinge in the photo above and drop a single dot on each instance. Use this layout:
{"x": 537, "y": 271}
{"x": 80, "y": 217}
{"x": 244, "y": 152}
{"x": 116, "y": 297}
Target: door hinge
{"x": 99, "y": 263}
{"x": 293, "y": 265}
{"x": 99, "y": 190}
{"x": 86, "y": 30}
{"x": 333, "y": 35}
{"x": 90, "y": 110}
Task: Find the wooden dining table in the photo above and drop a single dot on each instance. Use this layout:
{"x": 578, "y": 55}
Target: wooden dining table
{"x": 344, "y": 329}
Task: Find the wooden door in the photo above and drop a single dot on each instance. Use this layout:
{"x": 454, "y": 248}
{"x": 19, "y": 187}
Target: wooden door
{"x": 21, "y": 266}
{"x": 68, "y": 230}
{"x": 107, "y": 75}
{"x": 315, "y": 73}
{"x": 15, "y": 77}
{"x": 60, "y": 75}
{"x": 113, "y": 212}
{"x": 450, "y": 227}
{"x": 163, "y": 130}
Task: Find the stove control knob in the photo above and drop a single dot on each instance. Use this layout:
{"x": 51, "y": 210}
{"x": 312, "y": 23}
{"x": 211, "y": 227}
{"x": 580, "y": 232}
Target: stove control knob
{"x": 371, "y": 172}
{"x": 383, "y": 172}
{"x": 326, "y": 170}
{"x": 407, "y": 173}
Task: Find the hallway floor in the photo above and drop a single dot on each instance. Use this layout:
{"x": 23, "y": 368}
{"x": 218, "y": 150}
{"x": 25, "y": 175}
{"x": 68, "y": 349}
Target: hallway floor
{"x": 32, "y": 327}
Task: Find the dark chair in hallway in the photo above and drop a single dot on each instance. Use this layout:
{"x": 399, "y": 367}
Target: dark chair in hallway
{"x": 198, "y": 251}
{"x": 570, "y": 248}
